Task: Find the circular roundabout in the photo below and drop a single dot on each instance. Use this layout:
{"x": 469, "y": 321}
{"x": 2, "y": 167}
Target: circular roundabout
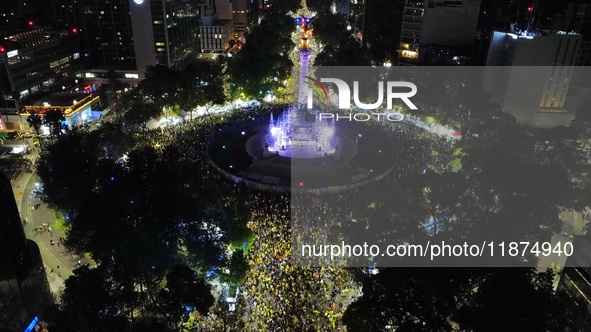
{"x": 363, "y": 154}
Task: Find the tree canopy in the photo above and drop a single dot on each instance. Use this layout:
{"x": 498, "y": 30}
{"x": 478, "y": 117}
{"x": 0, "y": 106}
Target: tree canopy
{"x": 263, "y": 63}
{"x": 460, "y": 299}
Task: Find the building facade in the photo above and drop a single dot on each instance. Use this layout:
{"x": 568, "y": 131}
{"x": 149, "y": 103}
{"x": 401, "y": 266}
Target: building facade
{"x": 241, "y": 15}
{"x": 575, "y": 280}
{"x": 215, "y": 34}
{"x": 107, "y": 33}
{"x": 342, "y": 7}
{"x": 381, "y": 20}
{"x": 165, "y": 32}
{"x": 224, "y": 9}
{"x": 577, "y": 18}
{"x": 67, "y": 14}
{"x": 15, "y": 16}
{"x": 446, "y": 28}
{"x": 24, "y": 289}
{"x": 33, "y": 62}
{"x": 535, "y": 82}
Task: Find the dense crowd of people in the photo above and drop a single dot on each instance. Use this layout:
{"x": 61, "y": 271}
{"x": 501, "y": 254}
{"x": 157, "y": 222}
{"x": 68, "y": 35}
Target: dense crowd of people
{"x": 278, "y": 294}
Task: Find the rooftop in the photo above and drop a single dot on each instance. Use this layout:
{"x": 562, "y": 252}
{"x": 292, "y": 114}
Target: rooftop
{"x": 30, "y": 38}
{"x": 60, "y": 99}
{"x": 516, "y": 33}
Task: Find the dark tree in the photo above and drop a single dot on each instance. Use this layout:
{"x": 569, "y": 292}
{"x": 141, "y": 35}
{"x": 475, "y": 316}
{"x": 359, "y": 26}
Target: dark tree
{"x": 184, "y": 293}
{"x": 35, "y": 122}
{"x": 348, "y": 53}
{"x": 69, "y": 169}
{"x": 448, "y": 299}
{"x": 330, "y": 29}
{"x": 319, "y": 6}
{"x": 202, "y": 85}
{"x": 285, "y": 6}
{"x": 54, "y": 118}
{"x": 139, "y": 113}
{"x": 263, "y": 63}
{"x": 90, "y": 303}
{"x": 126, "y": 100}
{"x": 113, "y": 139}
{"x": 237, "y": 267}
{"x": 161, "y": 85}
{"x": 113, "y": 87}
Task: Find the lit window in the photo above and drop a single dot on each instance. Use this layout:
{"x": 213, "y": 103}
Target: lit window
{"x": 410, "y": 54}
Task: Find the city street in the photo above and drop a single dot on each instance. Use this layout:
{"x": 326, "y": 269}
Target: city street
{"x": 58, "y": 263}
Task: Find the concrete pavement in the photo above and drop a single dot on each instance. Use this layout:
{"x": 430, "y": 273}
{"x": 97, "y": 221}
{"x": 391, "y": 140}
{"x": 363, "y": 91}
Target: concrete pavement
{"x": 57, "y": 261}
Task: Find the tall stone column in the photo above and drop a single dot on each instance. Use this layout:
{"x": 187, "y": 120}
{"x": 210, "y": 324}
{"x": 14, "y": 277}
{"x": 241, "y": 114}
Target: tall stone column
{"x": 303, "y": 87}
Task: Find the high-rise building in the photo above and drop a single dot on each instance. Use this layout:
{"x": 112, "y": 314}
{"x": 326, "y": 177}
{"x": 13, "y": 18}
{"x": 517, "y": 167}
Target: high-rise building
{"x": 24, "y": 289}
{"x": 165, "y": 32}
{"x": 107, "y": 33}
{"x": 217, "y": 27}
{"x": 215, "y": 34}
{"x": 535, "y": 82}
{"x": 16, "y": 16}
{"x": 32, "y": 62}
{"x": 342, "y": 7}
{"x": 438, "y": 32}
{"x": 533, "y": 49}
{"x": 67, "y": 14}
{"x": 577, "y": 18}
{"x": 224, "y": 9}
{"x": 575, "y": 280}
{"x": 381, "y": 20}
{"x": 241, "y": 15}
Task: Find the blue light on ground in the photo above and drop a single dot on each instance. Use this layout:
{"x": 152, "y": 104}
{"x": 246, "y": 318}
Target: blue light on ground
{"x": 211, "y": 272}
{"x": 32, "y": 325}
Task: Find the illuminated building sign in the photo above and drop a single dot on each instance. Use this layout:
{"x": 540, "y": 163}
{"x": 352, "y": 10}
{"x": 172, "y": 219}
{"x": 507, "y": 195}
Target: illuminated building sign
{"x": 12, "y": 53}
